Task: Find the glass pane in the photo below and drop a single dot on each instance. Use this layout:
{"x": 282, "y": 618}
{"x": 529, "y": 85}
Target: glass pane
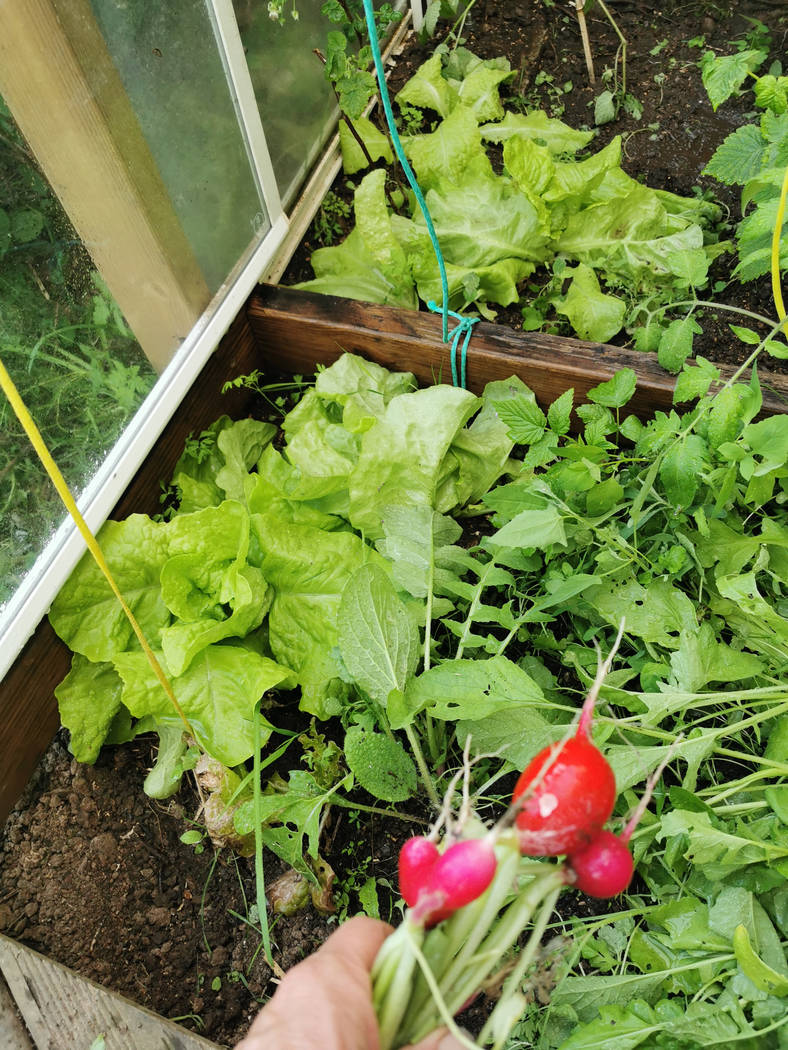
{"x": 167, "y": 58}
{"x": 68, "y": 350}
{"x": 295, "y": 99}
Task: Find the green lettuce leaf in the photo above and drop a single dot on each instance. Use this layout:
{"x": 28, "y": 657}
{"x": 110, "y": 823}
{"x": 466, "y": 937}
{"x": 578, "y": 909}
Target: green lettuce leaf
{"x": 482, "y": 221}
{"x": 369, "y": 264}
{"x": 195, "y": 472}
{"x": 592, "y": 313}
{"x": 241, "y": 445}
{"x": 88, "y": 698}
{"x": 308, "y": 570}
{"x": 546, "y": 131}
{"x": 454, "y": 150}
{"x": 87, "y": 615}
{"x": 402, "y": 455}
{"x": 478, "y": 90}
{"x": 627, "y": 239}
{"x": 480, "y": 450}
{"x": 218, "y": 693}
{"x": 428, "y": 88}
{"x": 377, "y": 145}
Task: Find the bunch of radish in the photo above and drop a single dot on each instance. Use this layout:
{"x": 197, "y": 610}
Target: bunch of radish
{"x": 470, "y": 901}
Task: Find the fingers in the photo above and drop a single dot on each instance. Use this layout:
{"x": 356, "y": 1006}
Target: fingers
{"x": 359, "y": 938}
{"x": 441, "y": 1039}
{"x": 325, "y": 1001}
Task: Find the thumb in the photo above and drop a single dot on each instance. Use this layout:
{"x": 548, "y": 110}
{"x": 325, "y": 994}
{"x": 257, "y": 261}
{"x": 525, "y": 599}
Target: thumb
{"x": 441, "y": 1039}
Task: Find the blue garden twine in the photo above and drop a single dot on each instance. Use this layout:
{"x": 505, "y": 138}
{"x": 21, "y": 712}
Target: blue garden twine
{"x": 464, "y": 328}
{"x": 465, "y": 323}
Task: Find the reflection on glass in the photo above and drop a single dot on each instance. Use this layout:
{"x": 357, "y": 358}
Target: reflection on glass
{"x": 68, "y": 350}
{"x": 167, "y": 58}
{"x": 296, "y": 102}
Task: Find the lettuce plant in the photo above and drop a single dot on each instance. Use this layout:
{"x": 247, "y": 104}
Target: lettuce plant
{"x": 498, "y": 227}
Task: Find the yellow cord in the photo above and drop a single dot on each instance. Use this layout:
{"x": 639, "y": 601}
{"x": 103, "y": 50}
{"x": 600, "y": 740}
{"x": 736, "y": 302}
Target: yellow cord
{"x": 37, "y": 441}
{"x": 777, "y": 294}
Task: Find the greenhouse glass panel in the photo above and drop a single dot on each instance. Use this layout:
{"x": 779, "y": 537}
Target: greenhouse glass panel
{"x": 67, "y": 348}
{"x": 296, "y": 102}
{"x": 174, "y": 76}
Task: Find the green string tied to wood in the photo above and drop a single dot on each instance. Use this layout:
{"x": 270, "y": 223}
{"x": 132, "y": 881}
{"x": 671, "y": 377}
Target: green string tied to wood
{"x": 466, "y": 324}
{"x": 464, "y": 328}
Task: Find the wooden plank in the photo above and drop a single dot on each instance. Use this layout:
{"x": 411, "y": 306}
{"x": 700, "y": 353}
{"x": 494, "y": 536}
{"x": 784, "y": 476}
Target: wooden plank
{"x": 103, "y": 186}
{"x": 28, "y": 709}
{"x": 13, "y": 1035}
{"x": 63, "y": 1010}
{"x": 298, "y": 330}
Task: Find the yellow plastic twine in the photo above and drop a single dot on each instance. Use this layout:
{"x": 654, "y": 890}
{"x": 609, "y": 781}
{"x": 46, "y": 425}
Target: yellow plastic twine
{"x": 37, "y": 441}
{"x": 777, "y": 294}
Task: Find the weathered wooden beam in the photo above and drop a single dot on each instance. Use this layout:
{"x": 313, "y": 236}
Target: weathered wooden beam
{"x": 63, "y": 1010}
{"x": 13, "y": 1035}
{"x": 298, "y": 330}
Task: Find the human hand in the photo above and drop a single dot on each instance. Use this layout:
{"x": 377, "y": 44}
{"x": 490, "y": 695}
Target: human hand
{"x": 325, "y": 1002}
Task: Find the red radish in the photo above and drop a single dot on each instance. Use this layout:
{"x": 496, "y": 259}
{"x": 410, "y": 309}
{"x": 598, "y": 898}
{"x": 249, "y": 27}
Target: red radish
{"x": 417, "y": 858}
{"x": 604, "y": 867}
{"x": 568, "y": 791}
{"x": 437, "y": 884}
{"x": 569, "y": 803}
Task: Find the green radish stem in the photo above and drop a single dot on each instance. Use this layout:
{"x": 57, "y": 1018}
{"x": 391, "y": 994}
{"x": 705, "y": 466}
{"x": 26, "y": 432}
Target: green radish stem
{"x": 504, "y": 936}
{"x": 440, "y": 1005}
{"x": 422, "y": 766}
{"x": 468, "y": 971}
{"x": 526, "y": 957}
{"x": 398, "y": 979}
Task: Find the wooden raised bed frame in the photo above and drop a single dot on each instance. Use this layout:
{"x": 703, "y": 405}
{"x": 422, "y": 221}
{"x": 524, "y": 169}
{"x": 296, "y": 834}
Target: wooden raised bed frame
{"x": 281, "y": 330}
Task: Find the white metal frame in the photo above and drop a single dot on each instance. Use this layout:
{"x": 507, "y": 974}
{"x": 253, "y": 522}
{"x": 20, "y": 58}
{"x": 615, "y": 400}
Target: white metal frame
{"x": 31, "y": 601}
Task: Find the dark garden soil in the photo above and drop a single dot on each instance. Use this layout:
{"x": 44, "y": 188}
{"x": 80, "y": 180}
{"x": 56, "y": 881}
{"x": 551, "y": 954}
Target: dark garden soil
{"x": 92, "y": 872}
{"x": 667, "y": 147}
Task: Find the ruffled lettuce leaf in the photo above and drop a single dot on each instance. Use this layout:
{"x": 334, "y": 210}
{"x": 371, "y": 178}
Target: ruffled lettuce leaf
{"x": 626, "y": 239}
{"x": 369, "y": 264}
{"x": 218, "y": 693}
{"x": 308, "y": 570}
{"x": 402, "y": 455}
{"x": 376, "y": 143}
{"x": 453, "y": 151}
{"x": 537, "y": 127}
{"x": 86, "y": 614}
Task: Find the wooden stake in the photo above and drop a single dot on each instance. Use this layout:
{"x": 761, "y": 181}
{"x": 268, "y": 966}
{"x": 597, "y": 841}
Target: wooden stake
{"x": 581, "y": 20}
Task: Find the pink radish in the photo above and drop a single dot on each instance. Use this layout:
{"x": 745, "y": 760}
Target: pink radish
{"x": 437, "y": 884}
{"x": 604, "y": 867}
{"x": 569, "y": 791}
{"x": 417, "y": 858}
